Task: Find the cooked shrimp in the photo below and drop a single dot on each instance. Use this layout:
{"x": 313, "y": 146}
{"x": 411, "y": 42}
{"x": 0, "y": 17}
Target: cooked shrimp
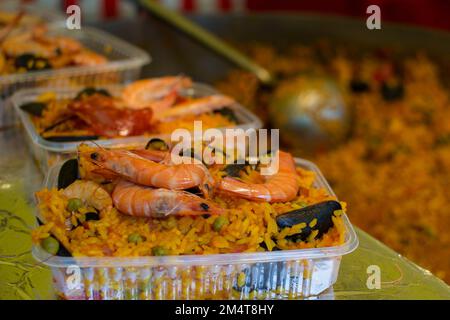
{"x": 280, "y": 187}
{"x": 68, "y": 45}
{"x": 11, "y": 22}
{"x": 156, "y": 93}
{"x": 142, "y": 201}
{"x": 140, "y": 170}
{"x": 90, "y": 192}
{"x": 153, "y": 155}
{"x": 23, "y": 43}
{"x": 88, "y": 58}
{"x": 196, "y": 106}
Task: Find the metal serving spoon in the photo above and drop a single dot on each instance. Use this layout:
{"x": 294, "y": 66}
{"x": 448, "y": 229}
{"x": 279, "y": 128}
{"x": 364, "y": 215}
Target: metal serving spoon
{"x": 310, "y": 110}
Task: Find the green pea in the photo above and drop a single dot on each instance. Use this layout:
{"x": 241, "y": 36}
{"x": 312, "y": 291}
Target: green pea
{"x": 219, "y": 223}
{"x": 159, "y": 251}
{"x": 50, "y": 244}
{"x": 74, "y": 204}
{"x": 135, "y": 238}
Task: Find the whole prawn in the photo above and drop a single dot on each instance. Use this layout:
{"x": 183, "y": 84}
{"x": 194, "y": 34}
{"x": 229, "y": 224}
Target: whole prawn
{"x": 89, "y": 192}
{"x": 142, "y": 201}
{"x": 195, "y": 107}
{"x": 155, "y": 93}
{"x": 132, "y": 167}
{"x": 280, "y": 187}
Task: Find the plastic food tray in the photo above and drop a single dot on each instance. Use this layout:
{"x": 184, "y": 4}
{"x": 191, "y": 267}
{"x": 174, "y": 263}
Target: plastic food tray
{"x": 48, "y": 153}
{"x": 288, "y": 274}
{"x": 124, "y": 65}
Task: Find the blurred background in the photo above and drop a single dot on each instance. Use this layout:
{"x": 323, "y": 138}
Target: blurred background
{"x": 430, "y": 13}
{"x": 390, "y": 159}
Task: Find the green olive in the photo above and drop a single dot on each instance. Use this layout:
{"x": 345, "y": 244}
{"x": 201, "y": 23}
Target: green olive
{"x": 74, "y": 204}
{"x": 135, "y": 238}
{"x": 219, "y": 223}
{"x": 50, "y": 244}
{"x": 159, "y": 251}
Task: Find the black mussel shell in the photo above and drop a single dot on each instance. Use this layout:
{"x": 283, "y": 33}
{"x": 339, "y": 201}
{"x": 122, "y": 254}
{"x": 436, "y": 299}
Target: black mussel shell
{"x": 70, "y": 138}
{"x": 228, "y": 113}
{"x": 58, "y": 123}
{"x": 31, "y": 62}
{"x": 322, "y": 211}
{"x": 94, "y": 216}
{"x": 39, "y": 221}
{"x": 34, "y": 108}
{"x": 359, "y": 86}
{"x": 264, "y": 246}
{"x": 234, "y": 170}
{"x": 68, "y": 173}
{"x": 157, "y": 144}
{"x": 89, "y": 91}
{"x": 392, "y": 90}
{"x": 62, "y": 251}
{"x": 104, "y": 92}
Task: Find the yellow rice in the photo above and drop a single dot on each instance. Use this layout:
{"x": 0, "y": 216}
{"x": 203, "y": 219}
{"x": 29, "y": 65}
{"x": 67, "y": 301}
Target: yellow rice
{"x": 250, "y": 225}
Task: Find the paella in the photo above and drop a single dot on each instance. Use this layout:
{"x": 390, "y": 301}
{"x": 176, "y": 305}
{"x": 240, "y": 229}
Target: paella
{"x": 137, "y": 202}
{"x": 398, "y": 152}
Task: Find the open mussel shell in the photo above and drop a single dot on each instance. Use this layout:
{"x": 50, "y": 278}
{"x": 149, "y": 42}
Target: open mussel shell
{"x": 31, "y": 62}
{"x": 322, "y": 212}
{"x": 234, "y": 170}
{"x": 157, "y": 144}
{"x": 89, "y": 91}
{"x": 34, "y": 108}
{"x": 68, "y": 173}
{"x": 228, "y": 113}
{"x": 62, "y": 251}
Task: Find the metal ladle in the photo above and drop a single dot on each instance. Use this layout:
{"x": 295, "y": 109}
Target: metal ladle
{"x": 309, "y": 110}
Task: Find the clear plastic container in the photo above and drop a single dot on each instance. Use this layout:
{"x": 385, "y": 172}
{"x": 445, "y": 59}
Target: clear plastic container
{"x": 124, "y": 65}
{"x": 288, "y": 274}
{"x": 48, "y": 153}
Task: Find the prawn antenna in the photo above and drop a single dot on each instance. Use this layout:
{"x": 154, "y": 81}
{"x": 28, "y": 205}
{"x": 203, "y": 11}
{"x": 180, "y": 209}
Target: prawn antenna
{"x": 97, "y": 145}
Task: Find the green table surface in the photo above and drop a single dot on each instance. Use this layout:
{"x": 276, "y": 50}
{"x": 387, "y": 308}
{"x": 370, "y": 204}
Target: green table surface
{"x": 22, "y": 278}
